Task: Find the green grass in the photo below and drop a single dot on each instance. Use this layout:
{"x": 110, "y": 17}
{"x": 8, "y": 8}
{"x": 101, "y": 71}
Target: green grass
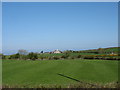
{"x": 0, "y": 73}
{"x": 35, "y": 73}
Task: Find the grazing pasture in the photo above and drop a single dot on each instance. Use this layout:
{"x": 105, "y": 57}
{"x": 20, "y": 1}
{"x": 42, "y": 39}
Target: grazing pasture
{"x": 27, "y": 73}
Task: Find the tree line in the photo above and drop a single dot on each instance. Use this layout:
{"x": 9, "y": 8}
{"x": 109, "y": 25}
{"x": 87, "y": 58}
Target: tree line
{"x": 36, "y": 56}
{"x": 91, "y": 54}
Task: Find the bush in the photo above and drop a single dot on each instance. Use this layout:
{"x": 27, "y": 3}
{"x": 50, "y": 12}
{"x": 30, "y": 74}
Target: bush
{"x": 25, "y": 57}
{"x": 88, "y": 57}
{"x": 56, "y": 58}
{"x": 79, "y": 56}
{"x": 3, "y": 57}
{"x": 72, "y": 57}
{"x": 15, "y": 56}
{"x": 32, "y": 56}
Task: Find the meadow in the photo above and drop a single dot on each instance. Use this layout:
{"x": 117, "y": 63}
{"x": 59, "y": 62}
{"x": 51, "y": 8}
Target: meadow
{"x": 58, "y": 73}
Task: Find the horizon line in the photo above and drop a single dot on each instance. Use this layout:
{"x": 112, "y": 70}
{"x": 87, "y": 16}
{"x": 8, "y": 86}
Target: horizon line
{"x": 14, "y": 51}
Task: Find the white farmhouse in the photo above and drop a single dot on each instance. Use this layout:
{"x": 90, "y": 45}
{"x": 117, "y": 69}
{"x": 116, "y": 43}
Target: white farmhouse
{"x": 57, "y": 51}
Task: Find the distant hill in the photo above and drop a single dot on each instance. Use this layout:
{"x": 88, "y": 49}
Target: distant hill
{"x": 109, "y": 50}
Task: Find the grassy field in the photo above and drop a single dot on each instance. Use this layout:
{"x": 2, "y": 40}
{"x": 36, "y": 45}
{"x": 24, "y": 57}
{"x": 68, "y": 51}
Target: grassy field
{"x": 35, "y": 73}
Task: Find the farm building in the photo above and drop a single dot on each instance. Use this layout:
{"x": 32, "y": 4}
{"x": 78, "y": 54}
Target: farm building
{"x": 57, "y": 51}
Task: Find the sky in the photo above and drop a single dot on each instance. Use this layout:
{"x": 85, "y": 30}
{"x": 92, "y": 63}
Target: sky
{"x": 60, "y": 0}
{"x": 37, "y": 26}
{"x": 0, "y": 27}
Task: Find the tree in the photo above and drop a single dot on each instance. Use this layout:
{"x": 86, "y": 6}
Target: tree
{"x": 22, "y": 52}
{"x": 79, "y": 56}
{"x": 3, "y": 56}
{"x": 33, "y": 56}
{"x": 55, "y": 57}
{"x": 15, "y": 56}
{"x": 65, "y": 56}
{"x": 41, "y": 52}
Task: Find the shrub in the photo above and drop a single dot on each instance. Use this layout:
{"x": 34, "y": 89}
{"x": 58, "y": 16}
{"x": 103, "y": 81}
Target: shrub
{"x": 32, "y": 56}
{"x": 79, "y": 56}
{"x": 56, "y": 58}
{"x": 88, "y": 57}
{"x": 15, "y": 56}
